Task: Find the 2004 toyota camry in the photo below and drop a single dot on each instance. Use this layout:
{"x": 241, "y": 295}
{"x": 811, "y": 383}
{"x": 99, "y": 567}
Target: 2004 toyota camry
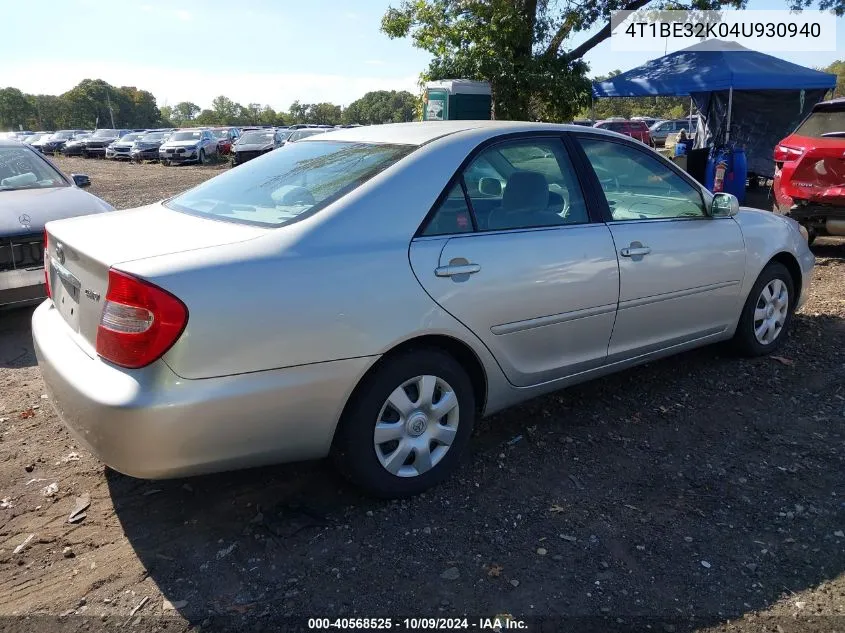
{"x": 368, "y": 292}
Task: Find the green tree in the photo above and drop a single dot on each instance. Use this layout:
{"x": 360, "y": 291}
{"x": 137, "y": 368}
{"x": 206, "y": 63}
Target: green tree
{"x": 382, "y": 106}
{"x": 324, "y": 114}
{"x": 15, "y": 109}
{"x": 206, "y": 117}
{"x": 185, "y": 111}
{"x": 225, "y": 110}
{"x": 838, "y": 69}
{"x": 47, "y": 112}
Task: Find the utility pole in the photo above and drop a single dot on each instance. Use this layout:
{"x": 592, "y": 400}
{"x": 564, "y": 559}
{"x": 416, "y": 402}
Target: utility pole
{"x": 108, "y": 100}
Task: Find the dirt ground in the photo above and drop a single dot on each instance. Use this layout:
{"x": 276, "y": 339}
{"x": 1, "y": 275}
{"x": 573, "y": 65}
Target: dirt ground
{"x": 704, "y": 492}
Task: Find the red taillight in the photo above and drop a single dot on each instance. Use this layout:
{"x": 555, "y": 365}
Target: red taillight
{"x": 140, "y": 321}
{"x": 785, "y": 154}
{"x": 47, "y": 266}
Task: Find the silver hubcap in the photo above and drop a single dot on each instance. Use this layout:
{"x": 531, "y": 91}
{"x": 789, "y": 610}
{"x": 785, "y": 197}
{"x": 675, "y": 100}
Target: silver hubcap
{"x": 770, "y": 311}
{"x": 416, "y": 426}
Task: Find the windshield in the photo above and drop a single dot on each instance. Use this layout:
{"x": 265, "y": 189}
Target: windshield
{"x": 279, "y": 187}
{"x": 256, "y": 137}
{"x": 80, "y": 137}
{"x": 186, "y": 136}
{"x": 299, "y": 134}
{"x": 60, "y": 136}
{"x": 32, "y": 138}
{"x": 221, "y": 133}
{"x": 128, "y": 138}
{"x": 20, "y": 168}
{"x": 105, "y": 133}
{"x": 819, "y": 124}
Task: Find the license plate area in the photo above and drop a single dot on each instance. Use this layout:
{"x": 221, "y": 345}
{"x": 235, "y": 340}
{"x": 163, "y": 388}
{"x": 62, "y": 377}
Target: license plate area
{"x": 66, "y": 289}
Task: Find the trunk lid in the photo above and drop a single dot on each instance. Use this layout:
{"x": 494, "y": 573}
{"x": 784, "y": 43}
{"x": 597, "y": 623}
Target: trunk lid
{"x": 819, "y": 173}
{"x": 81, "y": 251}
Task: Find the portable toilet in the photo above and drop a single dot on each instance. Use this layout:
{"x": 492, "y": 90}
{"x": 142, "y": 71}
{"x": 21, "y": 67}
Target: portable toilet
{"x": 457, "y": 99}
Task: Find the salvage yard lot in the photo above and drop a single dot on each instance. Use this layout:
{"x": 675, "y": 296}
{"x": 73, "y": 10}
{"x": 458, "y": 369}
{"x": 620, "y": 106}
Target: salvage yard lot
{"x": 692, "y": 491}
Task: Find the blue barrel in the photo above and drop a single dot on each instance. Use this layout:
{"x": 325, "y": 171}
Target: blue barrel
{"x": 739, "y": 174}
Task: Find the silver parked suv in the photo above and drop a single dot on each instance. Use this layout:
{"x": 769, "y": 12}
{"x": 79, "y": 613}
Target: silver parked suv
{"x": 191, "y": 145}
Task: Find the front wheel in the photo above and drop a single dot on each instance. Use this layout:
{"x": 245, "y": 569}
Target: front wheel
{"x": 406, "y": 426}
{"x": 201, "y": 159}
{"x": 767, "y": 313}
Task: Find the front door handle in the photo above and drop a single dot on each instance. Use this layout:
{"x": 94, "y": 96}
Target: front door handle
{"x": 453, "y": 270}
{"x": 635, "y": 251}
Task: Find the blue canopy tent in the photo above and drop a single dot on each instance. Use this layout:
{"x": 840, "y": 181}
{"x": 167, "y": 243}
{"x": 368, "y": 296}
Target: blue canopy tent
{"x": 744, "y": 96}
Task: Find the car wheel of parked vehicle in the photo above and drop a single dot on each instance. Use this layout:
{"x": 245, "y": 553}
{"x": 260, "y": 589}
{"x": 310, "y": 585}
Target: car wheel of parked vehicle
{"x": 406, "y": 425}
{"x": 201, "y": 159}
{"x": 85, "y": 154}
{"x": 767, "y": 314}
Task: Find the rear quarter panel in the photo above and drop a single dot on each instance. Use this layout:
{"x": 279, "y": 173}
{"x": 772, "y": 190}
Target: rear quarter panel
{"x": 332, "y": 286}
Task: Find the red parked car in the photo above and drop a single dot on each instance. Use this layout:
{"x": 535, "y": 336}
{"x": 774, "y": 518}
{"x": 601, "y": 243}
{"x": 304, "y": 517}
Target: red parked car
{"x": 226, "y": 137}
{"x": 809, "y": 182}
{"x": 634, "y": 129}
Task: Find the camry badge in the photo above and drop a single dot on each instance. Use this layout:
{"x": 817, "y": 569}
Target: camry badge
{"x": 60, "y": 252}
{"x": 94, "y": 296}
{"x": 25, "y": 220}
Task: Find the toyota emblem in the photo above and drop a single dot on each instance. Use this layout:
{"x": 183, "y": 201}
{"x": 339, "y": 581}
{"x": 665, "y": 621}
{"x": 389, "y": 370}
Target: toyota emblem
{"x": 25, "y": 220}
{"x": 60, "y": 252}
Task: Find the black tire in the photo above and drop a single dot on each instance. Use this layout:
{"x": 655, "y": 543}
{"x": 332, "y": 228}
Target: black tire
{"x": 86, "y": 154}
{"x": 353, "y": 450}
{"x": 745, "y": 341}
{"x": 201, "y": 157}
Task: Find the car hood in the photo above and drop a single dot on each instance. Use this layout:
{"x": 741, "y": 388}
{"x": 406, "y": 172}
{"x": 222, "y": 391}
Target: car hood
{"x": 251, "y": 147}
{"x": 181, "y": 143}
{"x": 44, "y": 205}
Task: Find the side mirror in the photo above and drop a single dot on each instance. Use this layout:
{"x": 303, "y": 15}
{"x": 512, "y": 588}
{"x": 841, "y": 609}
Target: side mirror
{"x": 81, "y": 180}
{"x": 490, "y": 187}
{"x": 724, "y": 205}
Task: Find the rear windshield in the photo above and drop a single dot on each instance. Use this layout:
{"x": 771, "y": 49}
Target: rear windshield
{"x": 820, "y": 124}
{"x": 256, "y": 137}
{"x": 279, "y": 187}
{"x": 186, "y": 136}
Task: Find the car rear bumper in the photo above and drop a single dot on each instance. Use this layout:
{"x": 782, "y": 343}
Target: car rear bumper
{"x": 154, "y": 424}
{"x": 21, "y": 287}
{"x": 95, "y": 151}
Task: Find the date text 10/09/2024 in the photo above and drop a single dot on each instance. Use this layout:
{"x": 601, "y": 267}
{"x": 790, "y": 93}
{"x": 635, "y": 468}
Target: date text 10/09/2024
{"x": 494, "y": 623}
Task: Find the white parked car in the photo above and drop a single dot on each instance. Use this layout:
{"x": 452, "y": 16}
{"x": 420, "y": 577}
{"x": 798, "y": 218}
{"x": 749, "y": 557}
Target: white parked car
{"x": 188, "y": 146}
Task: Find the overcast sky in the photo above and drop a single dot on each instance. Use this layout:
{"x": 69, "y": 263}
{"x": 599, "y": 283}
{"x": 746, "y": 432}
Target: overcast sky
{"x": 266, "y": 51}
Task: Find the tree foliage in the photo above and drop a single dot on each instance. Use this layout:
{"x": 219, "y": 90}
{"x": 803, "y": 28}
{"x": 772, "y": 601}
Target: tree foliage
{"x": 382, "y": 106}
{"x": 838, "y": 69}
{"x": 95, "y": 102}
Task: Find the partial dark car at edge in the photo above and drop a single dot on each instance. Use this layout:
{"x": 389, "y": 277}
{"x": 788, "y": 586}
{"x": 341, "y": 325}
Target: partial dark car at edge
{"x": 32, "y": 192}
{"x": 255, "y": 143}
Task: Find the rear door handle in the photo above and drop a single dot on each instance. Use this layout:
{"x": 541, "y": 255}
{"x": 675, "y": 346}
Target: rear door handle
{"x": 635, "y": 251}
{"x": 457, "y": 269}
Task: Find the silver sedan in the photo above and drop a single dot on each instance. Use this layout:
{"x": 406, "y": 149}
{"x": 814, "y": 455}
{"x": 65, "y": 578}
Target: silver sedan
{"x": 369, "y": 292}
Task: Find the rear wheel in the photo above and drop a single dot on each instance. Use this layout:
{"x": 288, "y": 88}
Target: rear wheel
{"x": 407, "y": 424}
{"x": 767, "y": 314}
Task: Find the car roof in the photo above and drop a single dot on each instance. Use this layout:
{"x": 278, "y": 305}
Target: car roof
{"x": 832, "y": 105}
{"x": 422, "y": 132}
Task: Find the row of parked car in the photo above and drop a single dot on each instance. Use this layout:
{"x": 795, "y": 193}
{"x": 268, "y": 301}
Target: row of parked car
{"x": 168, "y": 145}
{"x": 649, "y": 130}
